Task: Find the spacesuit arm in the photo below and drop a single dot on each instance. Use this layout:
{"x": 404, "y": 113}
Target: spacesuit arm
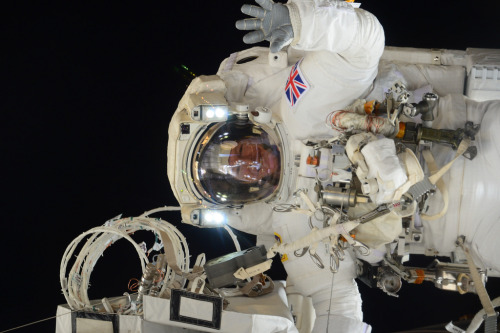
{"x": 255, "y": 219}
{"x": 337, "y": 27}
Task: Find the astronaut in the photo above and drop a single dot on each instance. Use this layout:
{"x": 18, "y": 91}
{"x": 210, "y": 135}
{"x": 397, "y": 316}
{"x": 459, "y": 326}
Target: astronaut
{"x": 246, "y": 147}
{"x": 244, "y": 165}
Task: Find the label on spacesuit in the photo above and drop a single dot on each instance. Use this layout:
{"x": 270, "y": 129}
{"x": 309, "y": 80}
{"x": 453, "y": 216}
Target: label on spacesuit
{"x": 284, "y": 257}
{"x": 296, "y": 85}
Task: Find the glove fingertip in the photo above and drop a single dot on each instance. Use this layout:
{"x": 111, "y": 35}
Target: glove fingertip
{"x": 244, "y": 8}
{"x": 248, "y": 39}
{"x": 253, "y": 37}
{"x": 266, "y": 4}
{"x": 276, "y": 45}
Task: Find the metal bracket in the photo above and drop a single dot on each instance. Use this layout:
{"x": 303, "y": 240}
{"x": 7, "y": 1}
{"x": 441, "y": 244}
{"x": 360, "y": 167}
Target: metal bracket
{"x": 470, "y": 153}
{"x": 490, "y": 323}
{"x": 471, "y": 130}
{"x": 421, "y": 188}
{"x": 436, "y": 56}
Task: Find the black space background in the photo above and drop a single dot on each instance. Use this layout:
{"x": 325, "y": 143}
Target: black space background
{"x": 87, "y": 91}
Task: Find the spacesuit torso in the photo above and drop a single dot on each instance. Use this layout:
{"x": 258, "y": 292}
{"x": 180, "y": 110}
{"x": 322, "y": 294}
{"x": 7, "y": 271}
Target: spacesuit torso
{"x": 321, "y": 72}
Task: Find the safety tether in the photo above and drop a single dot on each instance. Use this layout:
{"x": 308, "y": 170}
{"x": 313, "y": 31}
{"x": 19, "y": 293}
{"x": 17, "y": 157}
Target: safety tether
{"x": 436, "y": 175}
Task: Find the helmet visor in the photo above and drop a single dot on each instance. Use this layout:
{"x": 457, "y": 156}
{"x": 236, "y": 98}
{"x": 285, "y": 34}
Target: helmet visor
{"x": 237, "y": 162}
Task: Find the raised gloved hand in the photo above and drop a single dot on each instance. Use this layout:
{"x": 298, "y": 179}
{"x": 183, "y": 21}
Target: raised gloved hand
{"x": 271, "y": 22}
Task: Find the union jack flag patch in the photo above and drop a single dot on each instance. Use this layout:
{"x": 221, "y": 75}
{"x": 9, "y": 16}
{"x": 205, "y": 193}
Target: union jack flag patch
{"x": 296, "y": 85}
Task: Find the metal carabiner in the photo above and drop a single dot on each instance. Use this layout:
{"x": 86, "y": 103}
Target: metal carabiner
{"x": 330, "y": 213}
{"x": 284, "y": 208}
{"x": 334, "y": 263}
{"x": 301, "y": 254}
{"x": 339, "y": 252}
{"x": 362, "y": 248}
{"x": 316, "y": 259}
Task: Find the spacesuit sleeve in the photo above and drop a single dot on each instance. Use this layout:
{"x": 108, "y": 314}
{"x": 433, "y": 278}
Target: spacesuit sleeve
{"x": 336, "y": 26}
{"x": 255, "y": 219}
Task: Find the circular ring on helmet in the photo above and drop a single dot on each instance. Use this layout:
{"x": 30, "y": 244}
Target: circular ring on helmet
{"x": 236, "y": 162}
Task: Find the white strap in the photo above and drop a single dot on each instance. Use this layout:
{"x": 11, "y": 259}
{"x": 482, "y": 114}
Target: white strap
{"x": 431, "y": 164}
{"x": 478, "y": 283}
{"x": 243, "y": 273}
{"x": 437, "y": 174}
{"x": 414, "y": 172}
{"x": 308, "y": 201}
{"x": 479, "y": 317}
{"x": 462, "y": 148}
{"x": 170, "y": 252}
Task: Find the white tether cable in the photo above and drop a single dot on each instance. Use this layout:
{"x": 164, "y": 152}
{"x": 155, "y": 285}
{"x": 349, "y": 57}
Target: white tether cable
{"x": 435, "y": 178}
{"x": 233, "y": 237}
{"x": 75, "y": 281}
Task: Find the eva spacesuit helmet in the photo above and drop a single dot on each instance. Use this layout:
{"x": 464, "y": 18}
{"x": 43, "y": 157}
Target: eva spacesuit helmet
{"x": 221, "y": 156}
{"x": 236, "y": 162}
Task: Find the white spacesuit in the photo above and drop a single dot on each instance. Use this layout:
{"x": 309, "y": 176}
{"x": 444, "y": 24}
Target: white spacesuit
{"x": 246, "y": 144}
{"x": 332, "y": 61}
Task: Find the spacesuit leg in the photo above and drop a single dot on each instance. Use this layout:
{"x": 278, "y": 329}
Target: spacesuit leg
{"x": 335, "y": 296}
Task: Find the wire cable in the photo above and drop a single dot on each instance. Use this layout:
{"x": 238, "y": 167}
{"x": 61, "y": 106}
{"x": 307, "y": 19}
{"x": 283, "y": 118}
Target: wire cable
{"x": 56, "y": 316}
{"x": 35, "y": 322}
{"x": 233, "y": 237}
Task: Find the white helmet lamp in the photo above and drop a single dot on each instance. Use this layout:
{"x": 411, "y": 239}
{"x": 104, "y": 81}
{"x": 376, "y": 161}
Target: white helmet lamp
{"x": 219, "y": 159}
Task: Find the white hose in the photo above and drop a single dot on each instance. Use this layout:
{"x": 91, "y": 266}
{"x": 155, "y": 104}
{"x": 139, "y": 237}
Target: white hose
{"x": 233, "y": 237}
{"x": 160, "y": 209}
{"x": 75, "y": 282}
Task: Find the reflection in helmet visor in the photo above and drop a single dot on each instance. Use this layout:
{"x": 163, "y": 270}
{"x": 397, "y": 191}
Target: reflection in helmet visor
{"x": 238, "y": 162}
{"x": 251, "y": 161}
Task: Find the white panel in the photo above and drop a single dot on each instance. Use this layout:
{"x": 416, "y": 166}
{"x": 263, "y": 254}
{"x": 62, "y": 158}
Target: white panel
{"x": 196, "y": 309}
{"x": 63, "y": 320}
{"x": 130, "y": 324}
{"x": 84, "y": 325}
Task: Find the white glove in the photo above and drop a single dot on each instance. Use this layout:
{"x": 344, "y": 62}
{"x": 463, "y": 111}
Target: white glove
{"x": 271, "y": 22}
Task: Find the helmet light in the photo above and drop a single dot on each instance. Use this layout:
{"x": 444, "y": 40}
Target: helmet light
{"x": 208, "y": 218}
{"x": 210, "y": 113}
